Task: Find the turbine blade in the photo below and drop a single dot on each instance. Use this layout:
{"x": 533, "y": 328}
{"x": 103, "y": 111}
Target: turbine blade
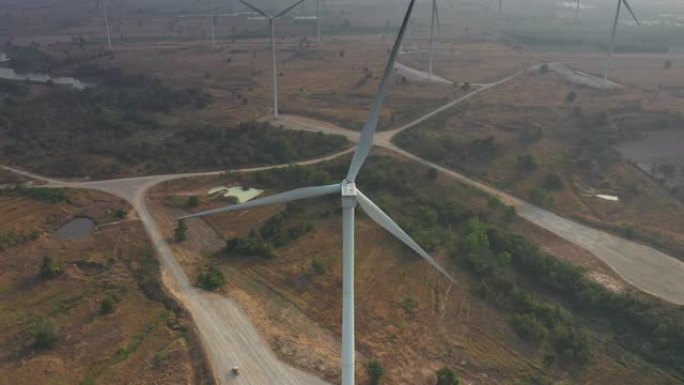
{"x": 376, "y": 214}
{"x": 366, "y": 138}
{"x": 288, "y": 196}
{"x": 629, "y": 8}
{"x": 262, "y": 13}
{"x": 288, "y": 9}
{"x": 436, "y": 10}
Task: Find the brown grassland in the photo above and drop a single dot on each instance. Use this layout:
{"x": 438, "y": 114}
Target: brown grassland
{"x": 145, "y": 340}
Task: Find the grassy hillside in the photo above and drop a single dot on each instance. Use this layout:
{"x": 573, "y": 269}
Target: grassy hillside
{"x": 71, "y": 311}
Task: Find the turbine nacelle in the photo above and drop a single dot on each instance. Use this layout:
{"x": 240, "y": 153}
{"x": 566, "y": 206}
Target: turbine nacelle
{"x": 348, "y": 189}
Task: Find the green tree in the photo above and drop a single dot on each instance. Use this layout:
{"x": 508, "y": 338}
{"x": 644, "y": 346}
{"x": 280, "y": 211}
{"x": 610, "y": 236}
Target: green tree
{"x": 212, "y": 280}
{"x": 49, "y": 269}
{"x": 446, "y": 376}
{"x": 181, "y": 232}
{"x": 510, "y": 213}
{"x": 47, "y": 334}
{"x": 108, "y": 305}
{"x": 375, "y": 371}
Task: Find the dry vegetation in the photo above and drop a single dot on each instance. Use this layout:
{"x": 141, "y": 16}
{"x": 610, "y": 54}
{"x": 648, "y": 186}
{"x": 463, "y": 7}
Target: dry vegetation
{"x": 139, "y": 335}
{"x": 407, "y": 315}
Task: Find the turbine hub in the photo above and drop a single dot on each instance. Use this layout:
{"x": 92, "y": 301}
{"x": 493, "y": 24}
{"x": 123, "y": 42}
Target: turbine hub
{"x": 348, "y": 189}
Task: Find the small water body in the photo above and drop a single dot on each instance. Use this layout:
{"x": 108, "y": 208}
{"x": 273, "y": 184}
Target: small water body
{"x": 10, "y": 74}
{"x": 76, "y": 229}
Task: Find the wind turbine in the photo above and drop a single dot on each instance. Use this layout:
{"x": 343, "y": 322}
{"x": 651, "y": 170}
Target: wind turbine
{"x": 351, "y": 196}
{"x": 318, "y": 18}
{"x": 104, "y": 7}
{"x": 498, "y": 19}
{"x": 213, "y": 22}
{"x": 435, "y": 17}
{"x": 574, "y": 23}
{"x": 611, "y": 45}
{"x": 271, "y": 22}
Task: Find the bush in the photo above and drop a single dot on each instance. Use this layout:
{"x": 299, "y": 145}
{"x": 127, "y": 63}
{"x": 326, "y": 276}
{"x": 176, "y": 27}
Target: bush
{"x": 544, "y": 68}
{"x": 553, "y": 181}
{"x": 212, "y": 279}
{"x": 193, "y": 201}
{"x": 527, "y": 163}
{"x": 446, "y": 376}
{"x": 47, "y": 334}
{"x": 120, "y": 213}
{"x": 49, "y": 269}
{"x": 375, "y": 371}
{"x": 541, "y": 197}
{"x": 571, "y": 97}
{"x": 181, "y": 232}
{"x": 510, "y": 213}
{"x": 318, "y": 266}
{"x": 108, "y": 305}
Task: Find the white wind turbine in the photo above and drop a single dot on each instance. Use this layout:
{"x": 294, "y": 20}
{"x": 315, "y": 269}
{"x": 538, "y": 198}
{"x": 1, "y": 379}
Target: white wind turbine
{"x": 318, "y": 18}
{"x": 104, "y": 7}
{"x": 574, "y": 22}
{"x": 611, "y": 45}
{"x": 271, "y": 22}
{"x": 435, "y": 17}
{"x": 498, "y": 19}
{"x": 213, "y": 22}
{"x": 350, "y": 197}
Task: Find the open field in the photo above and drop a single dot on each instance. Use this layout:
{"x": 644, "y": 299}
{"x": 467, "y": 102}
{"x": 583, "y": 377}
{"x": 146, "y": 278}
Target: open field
{"x": 145, "y": 339}
{"x": 407, "y": 316}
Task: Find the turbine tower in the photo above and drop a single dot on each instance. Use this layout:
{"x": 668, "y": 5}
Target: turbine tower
{"x": 213, "y": 22}
{"x": 351, "y": 196}
{"x": 498, "y": 19}
{"x": 271, "y": 23}
{"x": 435, "y": 17}
{"x": 106, "y": 17}
{"x": 574, "y": 22}
{"x": 611, "y": 45}
{"x": 318, "y": 19}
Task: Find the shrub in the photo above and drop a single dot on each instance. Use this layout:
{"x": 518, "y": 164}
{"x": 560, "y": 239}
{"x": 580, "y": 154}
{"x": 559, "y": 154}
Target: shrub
{"x": 410, "y": 305}
{"x": 181, "y": 232}
{"x": 527, "y": 163}
{"x": 375, "y": 371}
{"x": 318, "y": 266}
{"x": 193, "y": 201}
{"x": 47, "y": 334}
{"x": 510, "y": 213}
{"x": 212, "y": 279}
{"x": 49, "y": 269}
{"x": 571, "y": 97}
{"x": 541, "y": 197}
{"x": 108, "y": 305}
{"x": 553, "y": 181}
{"x": 446, "y": 376}
{"x": 544, "y": 68}
{"x": 120, "y": 213}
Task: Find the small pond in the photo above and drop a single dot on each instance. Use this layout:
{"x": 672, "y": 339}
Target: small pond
{"x": 76, "y": 229}
{"x": 10, "y": 74}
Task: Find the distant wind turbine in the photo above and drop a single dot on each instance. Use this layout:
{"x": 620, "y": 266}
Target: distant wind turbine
{"x": 350, "y": 197}
{"x": 271, "y": 22}
{"x": 318, "y": 19}
{"x": 574, "y": 23}
{"x": 435, "y": 17}
{"x": 213, "y": 22}
{"x": 611, "y": 45}
{"x": 104, "y": 7}
{"x": 498, "y": 19}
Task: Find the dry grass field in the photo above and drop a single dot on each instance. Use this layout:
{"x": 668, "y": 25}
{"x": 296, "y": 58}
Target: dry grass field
{"x": 142, "y": 341}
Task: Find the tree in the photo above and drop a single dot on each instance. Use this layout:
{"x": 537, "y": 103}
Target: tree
{"x": 211, "y": 280}
{"x": 446, "y": 376}
{"x": 181, "y": 231}
{"x": 510, "y": 213}
{"x": 527, "y": 163}
{"x": 120, "y": 213}
{"x": 193, "y": 201}
{"x": 375, "y": 371}
{"x": 544, "y": 68}
{"x": 108, "y": 305}
{"x": 49, "y": 269}
{"x": 466, "y": 86}
{"x": 571, "y": 97}
{"x": 47, "y": 334}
